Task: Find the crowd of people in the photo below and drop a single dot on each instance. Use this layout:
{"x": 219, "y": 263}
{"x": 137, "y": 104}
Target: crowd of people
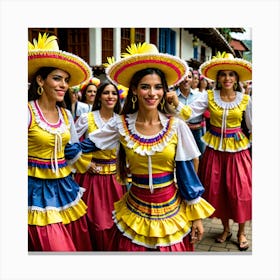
{"x": 138, "y": 173}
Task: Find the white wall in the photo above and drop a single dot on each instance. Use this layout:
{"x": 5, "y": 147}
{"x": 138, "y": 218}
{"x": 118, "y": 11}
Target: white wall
{"x": 187, "y": 47}
{"x": 95, "y": 46}
{"x": 184, "y": 47}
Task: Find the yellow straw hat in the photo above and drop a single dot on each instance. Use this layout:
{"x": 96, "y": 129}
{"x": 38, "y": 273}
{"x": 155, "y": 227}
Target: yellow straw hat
{"x": 142, "y": 56}
{"x": 226, "y": 61}
{"x": 45, "y": 53}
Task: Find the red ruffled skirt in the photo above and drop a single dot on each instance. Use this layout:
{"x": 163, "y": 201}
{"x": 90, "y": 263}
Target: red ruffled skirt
{"x": 227, "y": 179}
{"x": 125, "y": 244}
{"x": 59, "y": 237}
{"x": 101, "y": 193}
{"x": 139, "y": 197}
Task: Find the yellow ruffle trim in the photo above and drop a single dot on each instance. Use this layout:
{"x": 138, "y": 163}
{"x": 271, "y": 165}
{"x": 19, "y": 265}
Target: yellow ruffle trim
{"x": 228, "y": 145}
{"x": 48, "y": 173}
{"x": 200, "y": 210}
{"x": 163, "y": 232}
{"x": 43, "y": 218}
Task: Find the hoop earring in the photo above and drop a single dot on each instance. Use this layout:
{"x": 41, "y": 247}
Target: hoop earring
{"x": 133, "y": 100}
{"x": 40, "y": 90}
{"x": 235, "y": 86}
{"x": 162, "y": 104}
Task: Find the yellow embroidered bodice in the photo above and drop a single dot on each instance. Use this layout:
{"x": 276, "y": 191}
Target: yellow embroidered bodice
{"x": 225, "y": 132}
{"x": 46, "y": 143}
{"x": 104, "y": 159}
{"x": 227, "y": 118}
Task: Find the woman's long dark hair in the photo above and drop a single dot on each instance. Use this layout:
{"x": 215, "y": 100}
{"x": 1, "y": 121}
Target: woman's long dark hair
{"x": 97, "y": 104}
{"x": 33, "y": 87}
{"x": 122, "y": 168}
{"x": 67, "y": 99}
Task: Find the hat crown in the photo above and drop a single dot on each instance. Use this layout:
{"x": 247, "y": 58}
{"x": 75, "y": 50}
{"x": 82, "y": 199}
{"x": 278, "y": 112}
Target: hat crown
{"x": 140, "y": 48}
{"x": 223, "y": 55}
{"x": 44, "y": 42}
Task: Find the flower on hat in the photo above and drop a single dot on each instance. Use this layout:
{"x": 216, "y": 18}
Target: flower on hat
{"x": 93, "y": 80}
{"x": 123, "y": 91}
{"x": 140, "y": 48}
{"x": 44, "y": 43}
{"x": 111, "y": 60}
{"x": 222, "y": 55}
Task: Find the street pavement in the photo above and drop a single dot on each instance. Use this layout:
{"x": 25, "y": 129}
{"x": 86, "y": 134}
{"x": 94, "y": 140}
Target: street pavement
{"x": 212, "y": 228}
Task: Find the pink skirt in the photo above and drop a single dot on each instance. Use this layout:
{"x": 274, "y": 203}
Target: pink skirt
{"x": 227, "y": 179}
{"x": 101, "y": 193}
{"x": 60, "y": 237}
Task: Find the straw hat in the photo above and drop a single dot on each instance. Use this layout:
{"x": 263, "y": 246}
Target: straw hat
{"x": 45, "y": 53}
{"x": 226, "y": 61}
{"x": 142, "y": 56}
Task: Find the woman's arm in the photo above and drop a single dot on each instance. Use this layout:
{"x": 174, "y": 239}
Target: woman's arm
{"x": 81, "y": 125}
{"x": 187, "y": 112}
{"x": 248, "y": 115}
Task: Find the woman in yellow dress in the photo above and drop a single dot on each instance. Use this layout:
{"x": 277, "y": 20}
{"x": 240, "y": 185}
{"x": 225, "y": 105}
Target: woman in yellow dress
{"x": 102, "y": 187}
{"x": 161, "y": 211}
{"x": 226, "y": 167}
{"x": 56, "y": 212}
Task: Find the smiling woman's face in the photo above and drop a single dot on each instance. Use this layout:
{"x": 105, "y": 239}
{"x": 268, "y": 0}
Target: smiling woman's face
{"x": 55, "y": 85}
{"x": 227, "y": 79}
{"x": 149, "y": 92}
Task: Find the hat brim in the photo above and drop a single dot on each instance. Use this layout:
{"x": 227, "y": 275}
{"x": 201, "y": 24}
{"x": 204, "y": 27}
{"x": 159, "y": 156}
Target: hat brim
{"x": 76, "y": 67}
{"x": 122, "y": 71}
{"x": 242, "y": 67}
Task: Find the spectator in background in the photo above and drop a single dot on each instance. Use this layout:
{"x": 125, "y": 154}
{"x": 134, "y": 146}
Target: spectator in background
{"x": 186, "y": 96}
{"x": 203, "y": 86}
{"x": 76, "y": 107}
{"x": 247, "y": 87}
{"x": 195, "y": 80}
{"x": 88, "y": 91}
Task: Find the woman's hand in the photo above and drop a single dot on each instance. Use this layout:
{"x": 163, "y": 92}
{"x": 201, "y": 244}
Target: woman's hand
{"x": 197, "y": 231}
{"x": 93, "y": 168}
{"x": 172, "y": 98}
